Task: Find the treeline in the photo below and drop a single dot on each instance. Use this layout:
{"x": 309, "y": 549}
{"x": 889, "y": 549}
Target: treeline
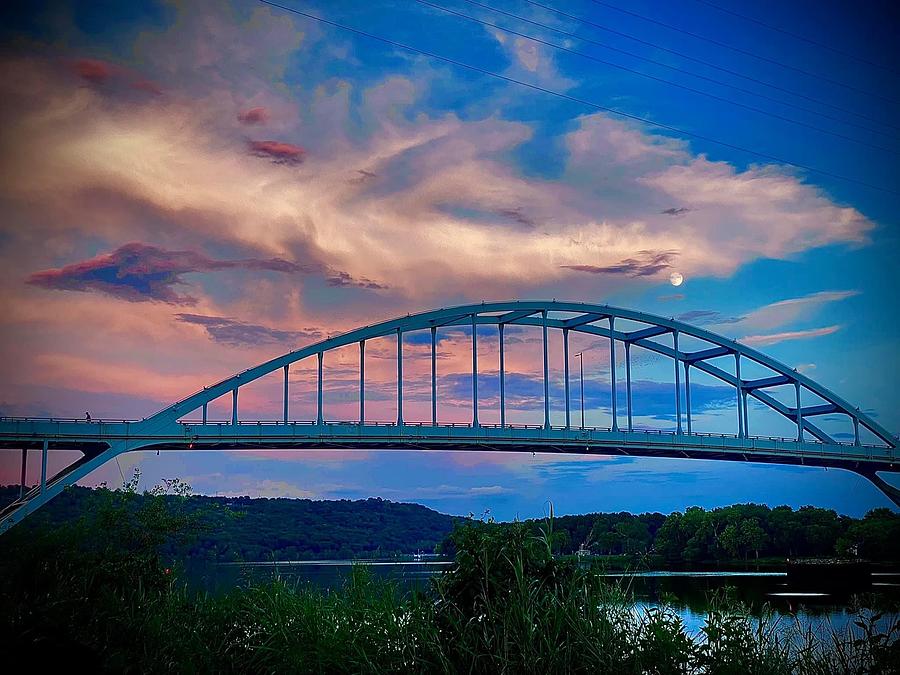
{"x": 251, "y": 529}
{"x": 261, "y": 529}
{"x": 739, "y": 532}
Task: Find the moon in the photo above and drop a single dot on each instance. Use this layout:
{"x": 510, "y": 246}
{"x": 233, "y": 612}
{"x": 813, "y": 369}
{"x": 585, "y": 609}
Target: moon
{"x": 676, "y": 278}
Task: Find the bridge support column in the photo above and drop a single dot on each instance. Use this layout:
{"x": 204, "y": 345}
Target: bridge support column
{"x": 677, "y": 385}
{"x": 856, "y": 431}
{"x": 687, "y": 395}
{"x": 399, "y": 377}
{"x": 566, "y": 360}
{"x": 320, "y": 416}
{"x": 44, "y": 452}
{"x": 434, "y": 376}
{"x": 474, "y": 371}
{"x": 24, "y": 467}
{"x": 612, "y": 377}
{"x": 234, "y": 406}
{"x": 502, "y": 382}
{"x": 362, "y": 382}
{"x": 628, "y": 384}
{"x": 205, "y": 410}
{"x": 799, "y": 413}
{"x": 546, "y": 372}
{"x": 284, "y": 415}
{"x": 737, "y": 376}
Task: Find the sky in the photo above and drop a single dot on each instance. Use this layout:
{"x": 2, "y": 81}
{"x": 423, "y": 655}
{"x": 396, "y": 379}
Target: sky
{"x": 190, "y": 188}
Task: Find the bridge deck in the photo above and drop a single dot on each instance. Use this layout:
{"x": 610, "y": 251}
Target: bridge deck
{"x": 93, "y": 437}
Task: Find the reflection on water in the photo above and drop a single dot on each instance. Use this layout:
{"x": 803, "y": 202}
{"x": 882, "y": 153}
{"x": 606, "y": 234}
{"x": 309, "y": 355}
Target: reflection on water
{"x": 688, "y": 593}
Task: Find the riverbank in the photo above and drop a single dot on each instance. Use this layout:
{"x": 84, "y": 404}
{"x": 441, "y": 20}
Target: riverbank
{"x": 105, "y": 594}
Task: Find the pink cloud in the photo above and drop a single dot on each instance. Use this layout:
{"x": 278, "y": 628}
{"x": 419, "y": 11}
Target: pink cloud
{"x": 138, "y": 272}
{"x": 94, "y": 70}
{"x": 253, "y": 116}
{"x": 147, "y": 85}
{"x": 282, "y": 153}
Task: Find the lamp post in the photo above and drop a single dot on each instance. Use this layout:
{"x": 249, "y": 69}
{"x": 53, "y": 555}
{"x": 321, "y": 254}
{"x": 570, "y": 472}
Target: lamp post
{"x": 580, "y": 357}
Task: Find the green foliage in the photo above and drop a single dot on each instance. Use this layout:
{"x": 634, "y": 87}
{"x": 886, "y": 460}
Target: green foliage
{"x": 98, "y": 593}
{"x": 279, "y": 529}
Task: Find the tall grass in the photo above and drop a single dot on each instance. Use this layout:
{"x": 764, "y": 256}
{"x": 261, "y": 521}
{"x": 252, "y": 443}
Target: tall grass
{"x": 507, "y": 606}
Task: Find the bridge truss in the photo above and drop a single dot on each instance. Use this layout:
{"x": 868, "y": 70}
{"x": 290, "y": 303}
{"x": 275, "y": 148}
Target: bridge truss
{"x": 169, "y": 429}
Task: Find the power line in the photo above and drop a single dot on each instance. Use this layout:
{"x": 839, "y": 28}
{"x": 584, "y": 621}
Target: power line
{"x": 685, "y": 87}
{"x": 580, "y": 101}
{"x": 745, "y": 52}
{"x": 778, "y": 29}
{"x": 665, "y": 65}
{"x": 708, "y": 64}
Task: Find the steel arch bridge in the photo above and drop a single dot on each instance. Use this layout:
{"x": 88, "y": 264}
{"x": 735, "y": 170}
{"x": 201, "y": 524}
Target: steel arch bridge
{"x": 101, "y": 441}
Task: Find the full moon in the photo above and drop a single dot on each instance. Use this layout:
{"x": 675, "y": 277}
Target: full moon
{"x": 676, "y": 278}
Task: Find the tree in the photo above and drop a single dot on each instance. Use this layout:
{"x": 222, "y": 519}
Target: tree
{"x": 753, "y": 537}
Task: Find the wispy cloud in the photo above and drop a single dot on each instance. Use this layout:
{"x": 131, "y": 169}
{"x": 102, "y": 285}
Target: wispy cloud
{"x": 772, "y": 338}
{"x": 702, "y": 317}
{"x": 646, "y": 263}
{"x": 138, "y": 272}
{"x": 238, "y": 333}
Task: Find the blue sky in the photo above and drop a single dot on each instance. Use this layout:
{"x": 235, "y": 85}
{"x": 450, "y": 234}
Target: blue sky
{"x": 190, "y": 189}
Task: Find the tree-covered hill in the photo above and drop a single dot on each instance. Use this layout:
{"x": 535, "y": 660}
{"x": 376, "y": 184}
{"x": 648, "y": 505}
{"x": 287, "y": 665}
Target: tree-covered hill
{"x": 260, "y": 529}
{"x": 245, "y": 529}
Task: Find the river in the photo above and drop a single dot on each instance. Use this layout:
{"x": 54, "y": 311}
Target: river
{"x": 687, "y": 592}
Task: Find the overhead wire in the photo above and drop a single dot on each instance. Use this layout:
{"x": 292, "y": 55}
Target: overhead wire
{"x": 668, "y": 66}
{"x": 708, "y": 64}
{"x": 745, "y": 52}
{"x": 678, "y": 85}
{"x": 798, "y": 36}
{"x": 580, "y": 101}
{"x": 664, "y": 65}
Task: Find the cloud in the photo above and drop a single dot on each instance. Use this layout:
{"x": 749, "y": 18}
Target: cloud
{"x": 772, "y": 338}
{"x": 148, "y": 86}
{"x": 340, "y": 279}
{"x": 674, "y": 297}
{"x": 94, "y": 70}
{"x": 138, "y": 272}
{"x": 238, "y": 333}
{"x": 701, "y": 317}
{"x": 516, "y": 215}
{"x": 278, "y": 152}
{"x": 793, "y": 309}
{"x": 258, "y": 115}
{"x": 646, "y": 264}
{"x": 675, "y": 211}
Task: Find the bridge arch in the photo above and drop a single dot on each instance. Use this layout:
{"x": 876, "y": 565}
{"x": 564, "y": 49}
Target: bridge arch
{"x": 167, "y": 426}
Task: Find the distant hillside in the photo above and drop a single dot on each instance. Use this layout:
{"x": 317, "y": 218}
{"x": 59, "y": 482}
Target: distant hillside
{"x": 245, "y": 529}
{"x": 241, "y": 528}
